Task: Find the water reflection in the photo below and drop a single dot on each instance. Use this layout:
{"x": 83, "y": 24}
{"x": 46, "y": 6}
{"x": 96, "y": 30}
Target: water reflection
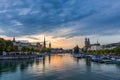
{"x": 8, "y": 66}
{"x": 49, "y": 58}
{"x": 88, "y": 62}
{"x": 11, "y": 65}
{"x": 58, "y": 67}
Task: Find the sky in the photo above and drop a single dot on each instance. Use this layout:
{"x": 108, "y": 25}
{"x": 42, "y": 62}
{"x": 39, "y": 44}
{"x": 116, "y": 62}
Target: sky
{"x": 65, "y": 23}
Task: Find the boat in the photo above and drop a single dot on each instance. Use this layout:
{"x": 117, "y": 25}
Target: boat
{"x": 100, "y": 59}
{"x": 103, "y": 59}
{"x": 111, "y": 60}
{"x": 107, "y": 61}
{"x": 117, "y": 61}
{"x": 95, "y": 58}
{"x": 78, "y": 55}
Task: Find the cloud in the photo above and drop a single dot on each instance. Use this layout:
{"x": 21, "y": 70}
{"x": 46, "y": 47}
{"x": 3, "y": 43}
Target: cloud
{"x": 60, "y": 18}
{"x": 34, "y": 38}
{"x": 1, "y": 31}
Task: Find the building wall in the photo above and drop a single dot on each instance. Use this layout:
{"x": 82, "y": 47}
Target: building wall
{"x": 20, "y": 45}
{"x": 95, "y": 47}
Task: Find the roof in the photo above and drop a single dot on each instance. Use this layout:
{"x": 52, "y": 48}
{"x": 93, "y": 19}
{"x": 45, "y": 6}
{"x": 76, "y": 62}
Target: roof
{"x": 95, "y": 44}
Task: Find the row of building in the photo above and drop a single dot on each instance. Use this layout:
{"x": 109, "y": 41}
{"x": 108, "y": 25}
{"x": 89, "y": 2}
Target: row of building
{"x": 36, "y": 46}
{"x": 98, "y": 46}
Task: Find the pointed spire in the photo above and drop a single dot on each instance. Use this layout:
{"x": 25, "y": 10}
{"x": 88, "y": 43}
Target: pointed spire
{"x": 44, "y": 42}
{"x": 97, "y": 41}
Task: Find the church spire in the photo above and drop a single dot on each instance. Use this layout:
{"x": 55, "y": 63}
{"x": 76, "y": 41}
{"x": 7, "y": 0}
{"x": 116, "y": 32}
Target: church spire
{"x": 97, "y": 41}
{"x": 44, "y": 42}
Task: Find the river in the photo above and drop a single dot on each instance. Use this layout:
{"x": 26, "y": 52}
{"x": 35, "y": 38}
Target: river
{"x": 57, "y": 67}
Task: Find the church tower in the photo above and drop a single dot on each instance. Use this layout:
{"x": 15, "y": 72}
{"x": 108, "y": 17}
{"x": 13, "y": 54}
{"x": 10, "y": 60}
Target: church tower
{"x": 50, "y": 45}
{"x": 86, "y": 42}
{"x": 13, "y": 39}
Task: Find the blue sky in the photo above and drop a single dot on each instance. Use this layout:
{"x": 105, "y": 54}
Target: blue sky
{"x": 61, "y": 19}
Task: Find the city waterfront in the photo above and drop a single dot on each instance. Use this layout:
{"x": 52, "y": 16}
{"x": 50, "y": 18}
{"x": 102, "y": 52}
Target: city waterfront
{"x": 57, "y": 67}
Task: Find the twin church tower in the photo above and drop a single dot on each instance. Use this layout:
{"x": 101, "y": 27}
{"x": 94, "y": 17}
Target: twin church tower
{"x": 87, "y": 42}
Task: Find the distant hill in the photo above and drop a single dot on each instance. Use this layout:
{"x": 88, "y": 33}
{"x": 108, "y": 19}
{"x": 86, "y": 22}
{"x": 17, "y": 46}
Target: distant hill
{"x": 112, "y": 44}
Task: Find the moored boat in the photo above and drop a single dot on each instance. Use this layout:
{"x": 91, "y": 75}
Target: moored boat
{"x": 78, "y": 55}
{"x": 117, "y": 61}
{"x": 77, "y": 52}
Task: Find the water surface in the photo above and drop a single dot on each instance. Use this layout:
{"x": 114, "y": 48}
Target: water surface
{"x": 57, "y": 67}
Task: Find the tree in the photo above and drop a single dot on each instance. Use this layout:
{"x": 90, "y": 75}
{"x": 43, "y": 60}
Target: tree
{"x": 2, "y": 44}
{"x": 117, "y": 50}
{"x": 15, "y": 48}
{"x": 32, "y": 50}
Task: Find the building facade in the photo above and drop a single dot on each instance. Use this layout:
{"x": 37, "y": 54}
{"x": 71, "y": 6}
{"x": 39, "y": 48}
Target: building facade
{"x": 89, "y": 46}
{"x": 95, "y": 47}
{"x": 21, "y": 44}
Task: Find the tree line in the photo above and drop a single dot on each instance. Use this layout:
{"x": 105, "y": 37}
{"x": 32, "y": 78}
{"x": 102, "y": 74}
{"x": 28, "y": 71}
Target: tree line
{"x": 115, "y": 51}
